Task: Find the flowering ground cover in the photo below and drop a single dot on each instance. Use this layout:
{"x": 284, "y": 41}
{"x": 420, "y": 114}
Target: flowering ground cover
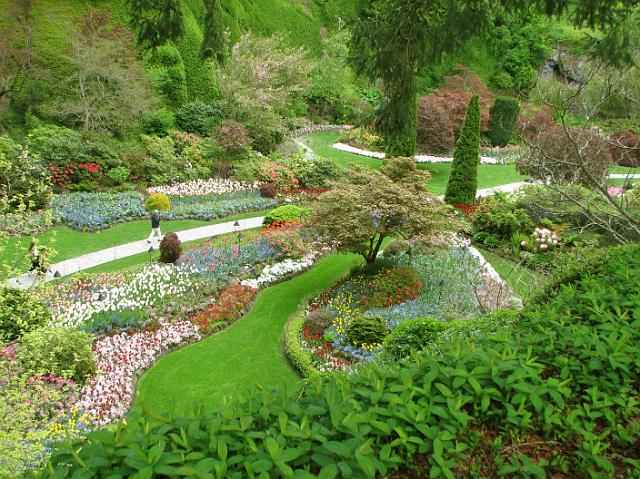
{"x": 242, "y": 356}
{"x": 206, "y": 207}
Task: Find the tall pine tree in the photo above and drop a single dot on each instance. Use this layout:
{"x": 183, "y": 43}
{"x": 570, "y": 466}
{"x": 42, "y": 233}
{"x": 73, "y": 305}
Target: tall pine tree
{"x": 213, "y": 43}
{"x": 463, "y": 180}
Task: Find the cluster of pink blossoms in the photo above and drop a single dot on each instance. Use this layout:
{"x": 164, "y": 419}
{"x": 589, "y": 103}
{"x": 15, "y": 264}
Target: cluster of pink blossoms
{"x": 108, "y": 395}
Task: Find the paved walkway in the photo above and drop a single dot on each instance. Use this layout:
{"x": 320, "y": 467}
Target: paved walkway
{"x": 97, "y": 258}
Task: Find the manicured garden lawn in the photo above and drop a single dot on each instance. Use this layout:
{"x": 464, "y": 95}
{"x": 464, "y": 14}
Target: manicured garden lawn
{"x": 70, "y": 243}
{"x": 244, "y": 355}
{"x": 523, "y": 281}
{"x": 488, "y": 175}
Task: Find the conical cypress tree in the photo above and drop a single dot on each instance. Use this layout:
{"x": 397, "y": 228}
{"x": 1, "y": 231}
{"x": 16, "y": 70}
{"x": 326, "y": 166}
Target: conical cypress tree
{"x": 463, "y": 180}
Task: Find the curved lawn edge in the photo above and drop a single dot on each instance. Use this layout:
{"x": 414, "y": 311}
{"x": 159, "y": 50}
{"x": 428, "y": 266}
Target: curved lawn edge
{"x": 243, "y": 356}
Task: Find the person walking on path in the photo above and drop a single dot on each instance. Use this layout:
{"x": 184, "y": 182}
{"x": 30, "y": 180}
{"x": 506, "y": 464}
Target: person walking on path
{"x": 38, "y": 256}
{"x": 155, "y": 227}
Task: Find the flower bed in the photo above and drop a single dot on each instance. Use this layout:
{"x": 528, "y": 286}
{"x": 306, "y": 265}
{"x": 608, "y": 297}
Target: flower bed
{"x": 278, "y": 271}
{"x": 213, "y": 186}
{"x": 207, "y": 207}
{"x": 228, "y": 308}
{"x": 95, "y": 211}
{"x": 121, "y": 357}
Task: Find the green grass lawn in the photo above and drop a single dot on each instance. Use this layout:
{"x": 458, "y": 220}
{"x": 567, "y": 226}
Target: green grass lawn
{"x": 488, "y": 175}
{"x": 70, "y": 243}
{"x": 523, "y": 281}
{"x": 240, "y": 358}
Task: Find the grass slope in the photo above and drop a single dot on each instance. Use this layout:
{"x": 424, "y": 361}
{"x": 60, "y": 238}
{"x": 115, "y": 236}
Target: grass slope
{"x": 70, "y": 243}
{"x": 524, "y": 282}
{"x": 245, "y": 355}
{"x": 488, "y": 175}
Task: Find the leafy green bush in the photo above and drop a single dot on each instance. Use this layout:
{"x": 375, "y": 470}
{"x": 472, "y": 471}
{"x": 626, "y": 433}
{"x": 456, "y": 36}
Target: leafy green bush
{"x": 24, "y": 182}
{"x": 20, "y": 313}
{"x": 119, "y": 174}
{"x": 57, "y": 145}
{"x": 499, "y": 216}
{"x": 196, "y": 117}
{"x": 62, "y": 352}
{"x": 463, "y": 179}
{"x": 412, "y": 335}
{"x": 504, "y": 115}
{"x": 285, "y": 213}
{"x": 565, "y": 367}
{"x": 169, "y": 68}
{"x": 396, "y": 247}
{"x": 158, "y": 122}
{"x": 316, "y": 172}
{"x": 366, "y": 330}
{"x": 159, "y": 202}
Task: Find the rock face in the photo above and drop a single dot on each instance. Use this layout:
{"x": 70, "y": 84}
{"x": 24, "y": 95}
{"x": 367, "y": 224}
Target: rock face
{"x": 565, "y": 65}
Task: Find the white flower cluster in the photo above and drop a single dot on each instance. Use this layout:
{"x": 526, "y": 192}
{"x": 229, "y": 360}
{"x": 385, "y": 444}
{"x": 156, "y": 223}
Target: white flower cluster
{"x": 143, "y": 289}
{"x": 545, "y": 238}
{"x": 271, "y": 274}
{"x": 107, "y": 396}
{"x": 487, "y": 160}
{"x": 213, "y": 186}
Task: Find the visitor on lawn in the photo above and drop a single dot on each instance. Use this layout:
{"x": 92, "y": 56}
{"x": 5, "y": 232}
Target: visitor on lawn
{"x": 155, "y": 226}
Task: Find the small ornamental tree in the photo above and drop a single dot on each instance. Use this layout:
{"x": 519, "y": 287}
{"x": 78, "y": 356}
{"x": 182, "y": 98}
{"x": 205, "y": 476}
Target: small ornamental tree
{"x": 170, "y": 248}
{"x": 463, "y": 180}
{"x": 369, "y": 207}
{"x": 504, "y": 115}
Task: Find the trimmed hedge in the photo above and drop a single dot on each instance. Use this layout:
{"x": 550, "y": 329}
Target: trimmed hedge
{"x": 504, "y": 115}
{"x": 463, "y": 179}
{"x": 292, "y": 347}
{"x": 285, "y": 213}
{"x": 554, "y": 395}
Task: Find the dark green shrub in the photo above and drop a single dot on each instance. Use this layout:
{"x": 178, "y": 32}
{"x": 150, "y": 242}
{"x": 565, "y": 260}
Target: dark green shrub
{"x": 317, "y": 172}
{"x": 60, "y": 351}
{"x": 170, "y": 248}
{"x": 285, "y": 213}
{"x": 196, "y": 117}
{"x": 500, "y": 217}
{"x": 463, "y": 180}
{"x": 158, "y": 122}
{"x": 504, "y": 115}
{"x": 171, "y": 73}
{"x": 105, "y": 322}
{"x": 412, "y": 335}
{"x": 264, "y": 137}
{"x": 20, "y": 313}
{"x": 366, "y": 330}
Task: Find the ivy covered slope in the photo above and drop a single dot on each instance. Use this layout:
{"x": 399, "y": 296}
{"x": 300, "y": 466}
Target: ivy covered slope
{"x": 555, "y": 395}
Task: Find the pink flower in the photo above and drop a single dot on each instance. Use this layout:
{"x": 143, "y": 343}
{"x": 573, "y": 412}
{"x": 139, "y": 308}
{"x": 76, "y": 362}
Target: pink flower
{"x": 615, "y": 191}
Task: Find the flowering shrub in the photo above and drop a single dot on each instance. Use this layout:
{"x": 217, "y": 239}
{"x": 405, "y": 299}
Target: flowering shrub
{"x": 107, "y": 396}
{"x": 394, "y": 286}
{"x": 544, "y": 239}
{"x": 281, "y": 176}
{"x": 229, "y": 306}
{"x": 95, "y": 211}
{"x": 213, "y": 186}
